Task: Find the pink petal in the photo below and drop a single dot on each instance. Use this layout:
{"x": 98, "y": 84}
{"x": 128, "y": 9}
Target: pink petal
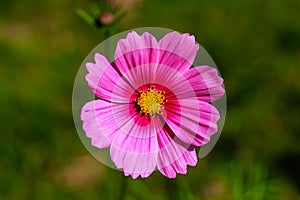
{"x": 136, "y": 57}
{"x": 173, "y": 157}
{"x": 135, "y": 148}
{"x": 176, "y": 85}
{"x": 142, "y": 60}
{"x": 134, "y": 42}
{"x": 192, "y": 121}
{"x": 105, "y": 82}
{"x": 178, "y": 51}
{"x": 205, "y": 82}
{"x": 202, "y": 83}
{"x": 165, "y": 75}
{"x": 98, "y": 122}
{"x": 102, "y": 120}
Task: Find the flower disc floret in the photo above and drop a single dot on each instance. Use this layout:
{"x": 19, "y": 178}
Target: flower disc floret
{"x": 151, "y": 101}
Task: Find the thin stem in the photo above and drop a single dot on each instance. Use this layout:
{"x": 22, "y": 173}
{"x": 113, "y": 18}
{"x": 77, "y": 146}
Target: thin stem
{"x": 106, "y": 32}
{"x": 123, "y": 188}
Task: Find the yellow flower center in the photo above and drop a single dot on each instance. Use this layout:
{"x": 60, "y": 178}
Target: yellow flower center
{"x": 151, "y": 101}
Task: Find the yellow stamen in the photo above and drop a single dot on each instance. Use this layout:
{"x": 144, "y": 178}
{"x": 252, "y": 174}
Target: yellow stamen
{"x": 151, "y": 101}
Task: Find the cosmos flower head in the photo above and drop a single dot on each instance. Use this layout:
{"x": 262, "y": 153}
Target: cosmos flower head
{"x": 153, "y": 107}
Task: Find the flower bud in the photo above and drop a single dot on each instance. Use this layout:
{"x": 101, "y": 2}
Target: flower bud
{"x": 105, "y": 19}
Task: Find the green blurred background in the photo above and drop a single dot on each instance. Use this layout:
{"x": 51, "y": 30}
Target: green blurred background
{"x": 255, "y": 43}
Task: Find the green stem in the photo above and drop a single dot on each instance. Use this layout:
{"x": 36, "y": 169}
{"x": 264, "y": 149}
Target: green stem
{"x": 123, "y": 188}
{"x": 106, "y": 32}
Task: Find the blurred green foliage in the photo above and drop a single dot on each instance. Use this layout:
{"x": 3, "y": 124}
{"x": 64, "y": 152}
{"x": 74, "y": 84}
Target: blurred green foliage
{"x": 256, "y": 46}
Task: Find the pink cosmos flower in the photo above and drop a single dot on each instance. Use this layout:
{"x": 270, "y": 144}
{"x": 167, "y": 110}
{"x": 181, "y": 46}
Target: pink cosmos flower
{"x": 153, "y": 106}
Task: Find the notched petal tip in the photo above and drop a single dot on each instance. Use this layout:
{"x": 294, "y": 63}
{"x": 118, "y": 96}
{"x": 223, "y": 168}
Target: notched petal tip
{"x": 173, "y": 157}
{"x": 135, "y": 154}
{"x": 182, "y": 45}
{"x": 191, "y": 38}
{"x": 206, "y": 82}
{"x": 91, "y": 68}
{"x": 101, "y": 60}
{"x": 98, "y": 67}
{"x": 92, "y": 127}
{"x": 137, "y": 175}
{"x": 132, "y": 34}
{"x": 133, "y": 42}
